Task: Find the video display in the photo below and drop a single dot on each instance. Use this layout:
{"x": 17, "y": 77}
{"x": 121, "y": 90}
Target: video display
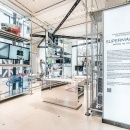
{"x": 18, "y": 53}
{"x": 15, "y": 52}
{"x": 4, "y": 51}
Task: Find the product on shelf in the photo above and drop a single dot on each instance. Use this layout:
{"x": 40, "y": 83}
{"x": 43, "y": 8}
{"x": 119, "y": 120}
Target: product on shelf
{"x": 11, "y": 28}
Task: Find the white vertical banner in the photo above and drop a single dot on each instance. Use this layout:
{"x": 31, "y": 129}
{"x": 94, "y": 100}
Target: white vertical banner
{"x": 117, "y": 64}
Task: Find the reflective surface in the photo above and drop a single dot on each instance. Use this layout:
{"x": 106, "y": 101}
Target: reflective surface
{"x": 64, "y": 95}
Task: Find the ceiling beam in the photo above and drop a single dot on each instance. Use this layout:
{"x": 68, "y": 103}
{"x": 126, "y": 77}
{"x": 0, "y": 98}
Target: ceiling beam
{"x": 50, "y": 6}
{"x": 68, "y": 14}
{"x": 37, "y": 35}
{"x": 69, "y": 37}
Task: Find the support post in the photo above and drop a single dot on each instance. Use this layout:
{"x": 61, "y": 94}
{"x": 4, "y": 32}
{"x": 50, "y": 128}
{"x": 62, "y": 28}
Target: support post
{"x": 87, "y": 79}
{"x": 31, "y": 56}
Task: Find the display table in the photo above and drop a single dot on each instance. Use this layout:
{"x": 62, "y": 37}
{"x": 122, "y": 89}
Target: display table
{"x": 65, "y": 94}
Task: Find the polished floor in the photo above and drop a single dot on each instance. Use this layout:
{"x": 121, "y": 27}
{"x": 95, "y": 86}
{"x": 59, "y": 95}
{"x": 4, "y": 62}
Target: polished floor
{"x": 30, "y": 113}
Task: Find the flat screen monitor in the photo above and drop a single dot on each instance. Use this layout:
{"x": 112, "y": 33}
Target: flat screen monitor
{"x": 67, "y": 60}
{"x": 4, "y": 50}
{"x": 19, "y": 53}
{"x": 15, "y": 53}
{"x": 59, "y": 61}
{"x": 79, "y": 68}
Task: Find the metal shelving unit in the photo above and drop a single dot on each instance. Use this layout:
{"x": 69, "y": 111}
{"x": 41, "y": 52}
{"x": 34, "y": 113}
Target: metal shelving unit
{"x": 81, "y": 57}
{"x": 60, "y": 55}
{"x": 13, "y": 37}
{"x": 15, "y": 92}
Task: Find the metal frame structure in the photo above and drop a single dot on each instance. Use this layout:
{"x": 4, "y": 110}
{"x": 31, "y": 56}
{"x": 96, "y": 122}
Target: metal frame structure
{"x": 96, "y": 18}
{"x": 92, "y": 92}
{"x": 14, "y": 38}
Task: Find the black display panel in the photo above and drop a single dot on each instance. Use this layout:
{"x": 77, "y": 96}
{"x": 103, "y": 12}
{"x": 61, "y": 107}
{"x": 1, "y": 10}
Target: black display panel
{"x": 4, "y": 50}
{"x": 67, "y": 60}
{"x": 79, "y": 68}
{"x": 59, "y": 61}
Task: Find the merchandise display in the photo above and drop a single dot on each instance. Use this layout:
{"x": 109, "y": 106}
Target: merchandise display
{"x": 14, "y": 74}
{"x": 57, "y": 59}
{"x": 19, "y": 53}
{"x": 11, "y": 28}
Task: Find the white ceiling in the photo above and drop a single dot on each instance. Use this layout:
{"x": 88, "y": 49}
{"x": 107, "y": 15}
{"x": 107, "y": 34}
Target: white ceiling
{"x": 49, "y": 13}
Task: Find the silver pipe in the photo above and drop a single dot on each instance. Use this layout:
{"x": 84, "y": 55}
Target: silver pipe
{"x": 97, "y": 63}
{"x": 87, "y": 80}
{"x": 14, "y": 65}
{"x": 63, "y": 58}
{"x": 77, "y": 58}
{"x": 91, "y": 77}
{"x": 31, "y": 55}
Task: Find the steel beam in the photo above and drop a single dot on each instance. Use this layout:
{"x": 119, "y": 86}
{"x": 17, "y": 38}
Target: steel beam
{"x": 68, "y": 14}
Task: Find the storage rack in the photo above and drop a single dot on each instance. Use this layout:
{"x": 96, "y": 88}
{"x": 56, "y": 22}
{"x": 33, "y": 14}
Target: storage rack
{"x": 14, "y": 38}
{"x": 60, "y": 55}
{"x": 53, "y": 57}
{"x": 81, "y": 57}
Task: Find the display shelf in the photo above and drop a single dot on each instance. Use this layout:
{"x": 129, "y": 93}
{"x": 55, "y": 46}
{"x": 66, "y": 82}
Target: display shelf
{"x": 58, "y": 70}
{"x": 14, "y": 65}
{"x": 22, "y": 93}
{"x": 64, "y": 53}
{"x": 56, "y": 53}
{"x": 81, "y": 56}
{"x": 54, "y": 46}
{"x": 67, "y": 66}
{"x": 54, "y": 57}
{"x": 11, "y": 36}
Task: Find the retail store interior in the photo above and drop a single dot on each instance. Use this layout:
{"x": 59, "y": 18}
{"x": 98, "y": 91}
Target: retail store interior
{"x": 64, "y": 64}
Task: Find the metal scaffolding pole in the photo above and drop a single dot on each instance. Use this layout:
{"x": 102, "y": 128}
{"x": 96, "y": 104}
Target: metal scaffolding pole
{"x": 31, "y": 55}
{"x": 87, "y": 79}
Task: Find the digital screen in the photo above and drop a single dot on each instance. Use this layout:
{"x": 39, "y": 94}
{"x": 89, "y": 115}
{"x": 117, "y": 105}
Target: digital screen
{"x": 67, "y": 60}
{"x": 4, "y": 51}
{"x": 18, "y": 53}
{"x": 15, "y": 52}
{"x": 79, "y": 68}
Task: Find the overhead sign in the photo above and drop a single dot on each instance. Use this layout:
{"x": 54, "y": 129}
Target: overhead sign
{"x": 117, "y": 64}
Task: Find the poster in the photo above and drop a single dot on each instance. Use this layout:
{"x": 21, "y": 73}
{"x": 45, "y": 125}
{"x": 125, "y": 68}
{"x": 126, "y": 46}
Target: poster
{"x": 117, "y": 64}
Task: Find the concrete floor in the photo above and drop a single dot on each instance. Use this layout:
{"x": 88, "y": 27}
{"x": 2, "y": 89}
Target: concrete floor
{"x": 30, "y": 113}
